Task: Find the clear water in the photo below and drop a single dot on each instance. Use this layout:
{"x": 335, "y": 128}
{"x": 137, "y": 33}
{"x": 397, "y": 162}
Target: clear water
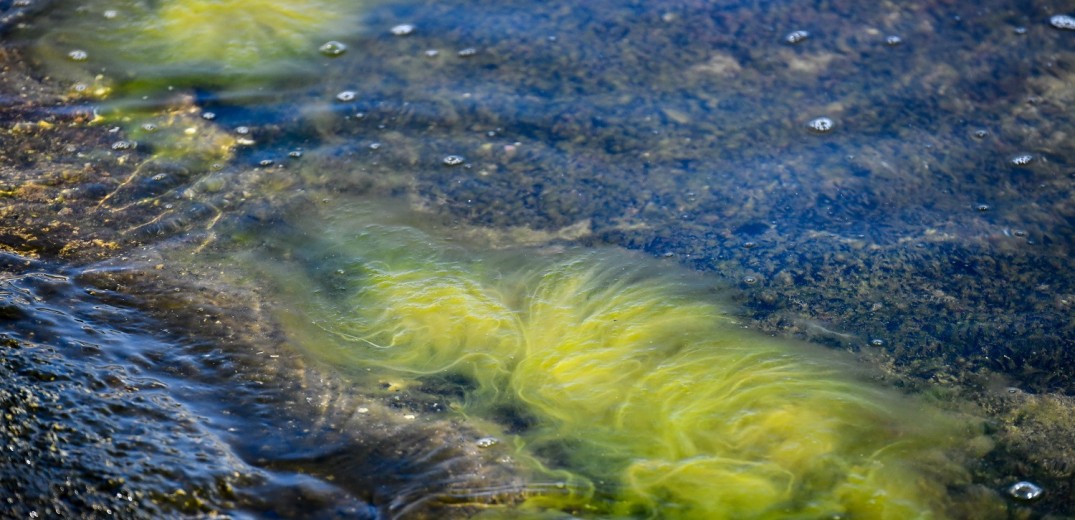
{"x": 891, "y": 181}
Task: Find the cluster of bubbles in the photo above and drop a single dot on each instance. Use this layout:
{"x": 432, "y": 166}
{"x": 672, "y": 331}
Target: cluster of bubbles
{"x": 1063, "y": 22}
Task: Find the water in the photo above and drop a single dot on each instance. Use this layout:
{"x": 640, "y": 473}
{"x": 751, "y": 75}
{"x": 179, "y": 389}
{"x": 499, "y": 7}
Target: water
{"x": 924, "y": 227}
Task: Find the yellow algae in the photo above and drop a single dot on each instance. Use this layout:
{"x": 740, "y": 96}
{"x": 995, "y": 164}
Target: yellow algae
{"x": 629, "y": 376}
{"x": 192, "y": 42}
{"x": 239, "y": 34}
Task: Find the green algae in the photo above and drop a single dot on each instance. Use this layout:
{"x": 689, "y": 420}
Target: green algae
{"x": 142, "y": 45}
{"x": 621, "y": 373}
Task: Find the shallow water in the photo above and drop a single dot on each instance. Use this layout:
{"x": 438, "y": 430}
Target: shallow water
{"x": 926, "y": 227}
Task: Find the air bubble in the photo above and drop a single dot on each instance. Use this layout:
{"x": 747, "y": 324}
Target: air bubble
{"x": 487, "y": 442}
{"x": 403, "y": 29}
{"x": 295, "y": 154}
{"x": 982, "y": 208}
{"x": 795, "y": 37}
{"x": 122, "y": 145}
{"x": 347, "y": 95}
{"x": 265, "y": 163}
{"x": 208, "y": 116}
{"x": 149, "y": 127}
{"x": 111, "y": 13}
{"x": 242, "y": 130}
{"x": 877, "y": 342}
{"x": 981, "y": 134}
{"x": 821, "y": 125}
{"x": 1062, "y": 21}
{"x": 750, "y": 280}
{"x": 332, "y": 49}
{"x": 893, "y": 40}
{"x": 1025, "y": 490}
{"x": 468, "y": 52}
{"x": 453, "y": 160}
{"x": 1023, "y": 159}
{"x": 78, "y": 55}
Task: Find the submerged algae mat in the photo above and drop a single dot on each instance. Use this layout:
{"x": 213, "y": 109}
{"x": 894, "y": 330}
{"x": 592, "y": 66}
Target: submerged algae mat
{"x": 619, "y": 379}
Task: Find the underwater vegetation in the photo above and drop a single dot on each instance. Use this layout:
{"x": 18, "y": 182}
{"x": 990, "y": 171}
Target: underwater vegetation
{"x": 623, "y": 379}
{"x": 139, "y": 43}
{"x": 143, "y": 65}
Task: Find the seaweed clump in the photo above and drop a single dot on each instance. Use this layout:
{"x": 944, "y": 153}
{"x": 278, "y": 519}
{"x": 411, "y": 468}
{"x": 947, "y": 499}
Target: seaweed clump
{"x": 632, "y": 381}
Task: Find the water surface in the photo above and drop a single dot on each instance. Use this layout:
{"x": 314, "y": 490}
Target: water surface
{"x": 926, "y": 228}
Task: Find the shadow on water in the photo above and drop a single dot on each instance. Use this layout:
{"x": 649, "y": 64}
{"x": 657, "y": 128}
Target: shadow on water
{"x": 928, "y": 230}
